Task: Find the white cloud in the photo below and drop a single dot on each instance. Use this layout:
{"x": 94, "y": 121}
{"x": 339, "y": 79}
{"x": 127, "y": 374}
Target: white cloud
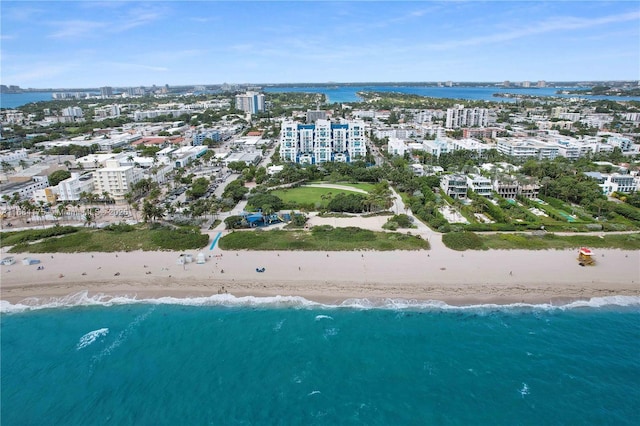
{"x": 133, "y": 66}
{"x": 75, "y": 28}
{"x": 551, "y": 25}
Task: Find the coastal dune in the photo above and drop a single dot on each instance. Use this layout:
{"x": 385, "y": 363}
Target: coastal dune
{"x": 469, "y": 277}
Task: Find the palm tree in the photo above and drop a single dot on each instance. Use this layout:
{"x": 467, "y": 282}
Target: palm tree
{"x": 135, "y": 207}
{"x": 62, "y": 209}
{"x": 7, "y": 167}
{"x": 75, "y": 204}
{"x": 147, "y": 211}
{"x": 27, "y": 207}
{"x": 89, "y": 216}
{"x": 6, "y": 199}
{"x": 41, "y": 208}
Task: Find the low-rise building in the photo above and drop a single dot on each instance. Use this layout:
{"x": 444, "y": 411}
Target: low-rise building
{"x": 187, "y": 154}
{"x": 454, "y": 186}
{"x": 71, "y": 188}
{"x": 527, "y": 148}
{"x": 614, "y": 182}
{"x": 480, "y": 185}
{"x": 248, "y": 158}
{"x": 24, "y": 189}
{"x": 13, "y": 157}
{"x": 214, "y": 135}
{"x": 506, "y": 187}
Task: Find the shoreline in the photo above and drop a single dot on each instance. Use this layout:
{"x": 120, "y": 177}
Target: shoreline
{"x": 456, "y": 278}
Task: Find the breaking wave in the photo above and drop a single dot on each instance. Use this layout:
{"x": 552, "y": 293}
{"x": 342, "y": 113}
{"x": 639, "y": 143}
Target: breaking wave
{"x": 297, "y": 302}
{"x": 91, "y": 337}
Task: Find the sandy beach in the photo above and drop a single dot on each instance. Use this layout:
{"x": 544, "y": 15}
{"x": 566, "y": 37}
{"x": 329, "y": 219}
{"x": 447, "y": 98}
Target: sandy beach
{"x": 330, "y": 277}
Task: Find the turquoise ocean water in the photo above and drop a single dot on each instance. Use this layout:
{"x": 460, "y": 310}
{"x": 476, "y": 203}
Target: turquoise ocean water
{"x": 228, "y": 361}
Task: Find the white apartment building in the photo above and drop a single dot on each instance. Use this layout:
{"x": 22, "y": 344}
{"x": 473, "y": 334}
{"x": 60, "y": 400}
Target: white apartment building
{"x": 322, "y": 142}
{"x": 436, "y": 147}
{"x": 107, "y": 111}
{"x": 13, "y": 157}
{"x": 625, "y": 144}
{"x": 569, "y": 116}
{"x": 470, "y": 145}
{"x": 466, "y": 117}
{"x": 175, "y": 113}
{"x": 187, "y": 154}
{"x": 71, "y": 188}
{"x": 631, "y": 116}
{"x": 75, "y": 112}
{"x": 115, "y": 179}
{"x": 24, "y": 189}
{"x": 396, "y": 146}
{"x": 250, "y": 102}
{"x": 395, "y": 132}
{"x": 94, "y": 161}
{"x": 527, "y": 148}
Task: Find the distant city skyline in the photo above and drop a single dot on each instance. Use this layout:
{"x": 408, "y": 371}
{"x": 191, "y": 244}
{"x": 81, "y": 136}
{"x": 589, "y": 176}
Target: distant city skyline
{"x": 122, "y": 43}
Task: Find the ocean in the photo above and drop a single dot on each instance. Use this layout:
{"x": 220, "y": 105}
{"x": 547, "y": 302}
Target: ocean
{"x": 285, "y": 360}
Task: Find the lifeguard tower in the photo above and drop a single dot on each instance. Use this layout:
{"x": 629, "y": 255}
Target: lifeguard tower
{"x": 586, "y": 257}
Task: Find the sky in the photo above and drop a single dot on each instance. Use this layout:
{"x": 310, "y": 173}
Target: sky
{"x": 79, "y": 44}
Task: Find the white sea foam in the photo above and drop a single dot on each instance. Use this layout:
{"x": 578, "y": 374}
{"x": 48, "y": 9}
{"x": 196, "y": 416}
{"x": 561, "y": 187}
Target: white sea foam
{"x": 329, "y": 332}
{"x": 524, "y": 390}
{"x": 91, "y": 337}
{"x": 278, "y": 325}
{"x": 321, "y": 317}
{"x": 122, "y": 336}
{"x": 297, "y": 302}
{"x": 315, "y": 392}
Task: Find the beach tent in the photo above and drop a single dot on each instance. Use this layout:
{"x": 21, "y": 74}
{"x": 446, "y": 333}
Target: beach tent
{"x": 200, "y": 258}
{"x": 6, "y": 261}
{"x": 184, "y": 258}
{"x": 30, "y": 261}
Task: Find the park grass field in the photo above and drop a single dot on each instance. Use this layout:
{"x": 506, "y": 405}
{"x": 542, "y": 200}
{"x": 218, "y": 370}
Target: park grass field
{"x": 311, "y": 195}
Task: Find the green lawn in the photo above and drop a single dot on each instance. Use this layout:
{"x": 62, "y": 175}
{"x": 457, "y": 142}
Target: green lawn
{"x": 360, "y": 185}
{"x": 307, "y": 195}
{"x": 324, "y": 238}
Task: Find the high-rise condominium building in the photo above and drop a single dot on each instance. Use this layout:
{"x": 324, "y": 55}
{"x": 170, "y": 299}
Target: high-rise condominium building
{"x": 250, "y": 102}
{"x": 322, "y": 142}
{"x": 106, "y": 91}
{"x": 466, "y": 117}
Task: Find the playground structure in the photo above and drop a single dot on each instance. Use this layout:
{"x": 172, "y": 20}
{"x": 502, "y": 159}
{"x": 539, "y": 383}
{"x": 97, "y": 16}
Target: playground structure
{"x": 586, "y": 257}
{"x": 256, "y": 219}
